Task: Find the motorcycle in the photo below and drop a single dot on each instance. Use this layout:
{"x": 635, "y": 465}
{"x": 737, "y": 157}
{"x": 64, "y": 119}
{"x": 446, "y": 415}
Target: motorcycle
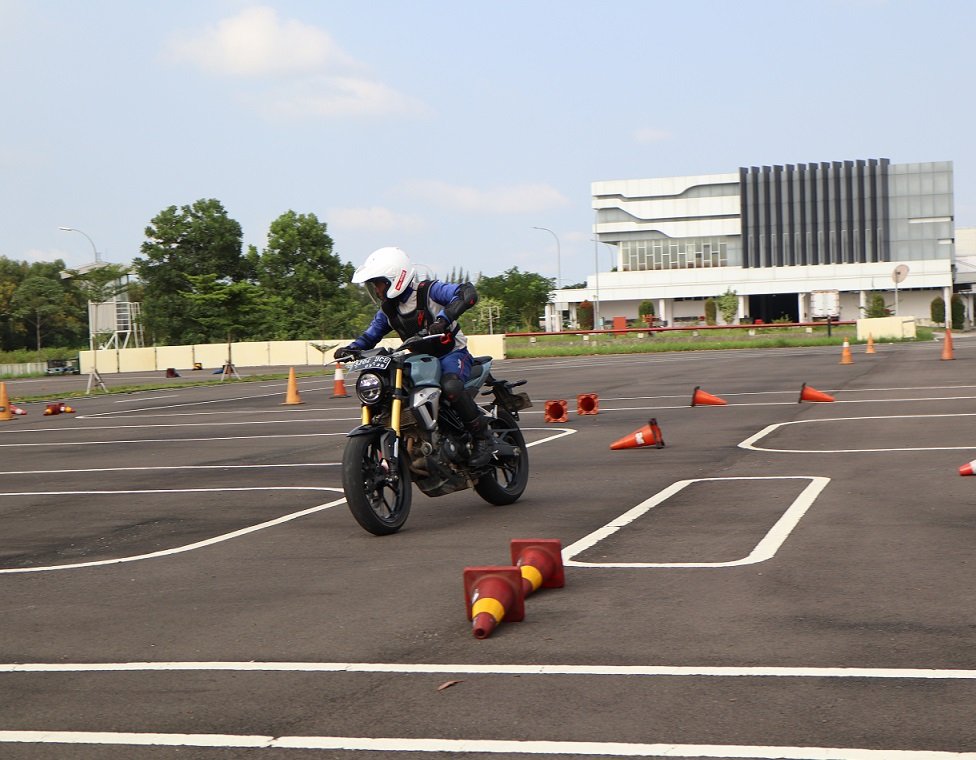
{"x": 409, "y": 436}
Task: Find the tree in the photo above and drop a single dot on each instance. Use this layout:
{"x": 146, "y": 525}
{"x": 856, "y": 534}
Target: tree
{"x": 728, "y": 305}
{"x": 182, "y": 243}
{"x": 525, "y": 295}
{"x": 646, "y": 309}
{"x": 711, "y": 311}
{"x": 876, "y": 307}
{"x": 485, "y": 318}
{"x": 304, "y": 281}
{"x": 35, "y": 300}
{"x": 584, "y": 315}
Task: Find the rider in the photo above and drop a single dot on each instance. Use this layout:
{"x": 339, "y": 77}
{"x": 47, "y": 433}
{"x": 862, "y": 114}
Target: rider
{"x": 409, "y": 307}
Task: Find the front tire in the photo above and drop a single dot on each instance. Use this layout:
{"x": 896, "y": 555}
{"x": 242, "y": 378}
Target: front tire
{"x": 378, "y": 496}
{"x": 509, "y": 476}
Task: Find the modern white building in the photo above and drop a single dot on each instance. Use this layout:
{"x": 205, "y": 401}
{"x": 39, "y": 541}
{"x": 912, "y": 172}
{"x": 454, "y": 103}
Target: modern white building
{"x": 779, "y": 237}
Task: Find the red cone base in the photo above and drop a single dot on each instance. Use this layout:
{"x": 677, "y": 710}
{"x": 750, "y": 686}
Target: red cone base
{"x": 556, "y": 411}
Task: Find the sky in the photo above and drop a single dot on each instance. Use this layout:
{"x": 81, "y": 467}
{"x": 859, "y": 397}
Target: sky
{"x": 450, "y": 128}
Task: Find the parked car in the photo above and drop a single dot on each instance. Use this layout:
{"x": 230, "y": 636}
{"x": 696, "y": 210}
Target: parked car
{"x": 63, "y": 367}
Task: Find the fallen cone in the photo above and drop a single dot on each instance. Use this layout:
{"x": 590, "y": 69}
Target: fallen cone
{"x": 967, "y": 469}
{"x": 556, "y": 411}
{"x": 540, "y": 560}
{"x": 492, "y": 594}
{"x": 700, "y": 398}
{"x": 587, "y": 403}
{"x": 649, "y": 435}
{"x": 812, "y": 394}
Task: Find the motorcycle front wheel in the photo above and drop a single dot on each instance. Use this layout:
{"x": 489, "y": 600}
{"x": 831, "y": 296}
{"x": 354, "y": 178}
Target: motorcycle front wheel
{"x": 378, "y": 491}
{"x": 509, "y": 475}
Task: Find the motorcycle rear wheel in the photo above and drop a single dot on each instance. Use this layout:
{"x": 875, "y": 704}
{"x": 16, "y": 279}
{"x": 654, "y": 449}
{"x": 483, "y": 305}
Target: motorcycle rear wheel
{"x": 378, "y": 499}
{"x": 509, "y": 475}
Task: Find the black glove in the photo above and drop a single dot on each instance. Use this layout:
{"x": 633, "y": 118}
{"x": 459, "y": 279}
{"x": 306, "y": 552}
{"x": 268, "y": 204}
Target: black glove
{"x": 438, "y": 327}
{"x": 344, "y": 353}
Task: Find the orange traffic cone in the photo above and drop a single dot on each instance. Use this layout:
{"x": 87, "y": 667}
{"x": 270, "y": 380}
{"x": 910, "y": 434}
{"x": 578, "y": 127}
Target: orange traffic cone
{"x": 967, "y": 469}
{"x": 845, "y": 354}
{"x": 707, "y": 399}
{"x": 5, "y": 411}
{"x": 649, "y": 435}
{"x": 587, "y": 403}
{"x": 870, "y": 348}
{"x": 493, "y": 593}
{"x": 947, "y": 345}
{"x": 556, "y": 411}
{"x": 65, "y": 408}
{"x": 812, "y": 394}
{"x": 540, "y": 560}
{"x": 14, "y": 409}
{"x": 339, "y": 385}
{"x": 51, "y": 409}
{"x": 291, "y": 394}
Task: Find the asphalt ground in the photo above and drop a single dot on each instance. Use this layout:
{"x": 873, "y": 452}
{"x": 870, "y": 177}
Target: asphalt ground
{"x": 180, "y": 577}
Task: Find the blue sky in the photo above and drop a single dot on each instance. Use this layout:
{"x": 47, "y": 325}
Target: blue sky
{"x": 451, "y": 128}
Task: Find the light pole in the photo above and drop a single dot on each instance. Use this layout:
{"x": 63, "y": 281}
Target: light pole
{"x": 559, "y": 272}
{"x": 94, "y": 249}
{"x": 92, "y": 315}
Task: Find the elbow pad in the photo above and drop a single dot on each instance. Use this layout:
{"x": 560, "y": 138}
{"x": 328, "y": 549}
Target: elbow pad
{"x": 466, "y": 297}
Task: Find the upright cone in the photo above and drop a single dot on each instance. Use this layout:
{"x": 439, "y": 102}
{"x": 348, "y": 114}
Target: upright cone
{"x": 5, "y": 412}
{"x": 540, "y": 560}
{"x": 812, "y": 394}
{"x": 845, "y": 353}
{"x": 649, "y": 435}
{"x": 291, "y": 395}
{"x": 492, "y": 594}
{"x": 556, "y": 411}
{"x": 339, "y": 385}
{"x": 700, "y": 398}
{"x": 587, "y": 403}
{"x": 870, "y": 348}
{"x": 947, "y": 345}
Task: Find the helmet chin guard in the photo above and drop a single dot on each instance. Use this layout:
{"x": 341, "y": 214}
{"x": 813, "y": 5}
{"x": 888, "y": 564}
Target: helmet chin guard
{"x": 390, "y": 264}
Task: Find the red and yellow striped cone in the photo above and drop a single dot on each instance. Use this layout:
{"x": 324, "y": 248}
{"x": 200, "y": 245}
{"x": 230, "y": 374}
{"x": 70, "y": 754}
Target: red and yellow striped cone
{"x": 493, "y": 593}
{"x": 540, "y": 560}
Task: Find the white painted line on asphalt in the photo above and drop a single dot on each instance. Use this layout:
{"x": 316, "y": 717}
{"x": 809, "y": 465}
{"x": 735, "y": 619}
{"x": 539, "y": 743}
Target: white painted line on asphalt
{"x": 501, "y": 669}
{"x": 174, "y": 440}
{"x": 487, "y": 746}
{"x": 189, "y": 547}
{"x": 749, "y": 443}
{"x": 208, "y": 424}
{"x": 764, "y": 550}
{"x": 174, "y": 467}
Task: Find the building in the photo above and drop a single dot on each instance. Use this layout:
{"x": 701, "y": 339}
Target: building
{"x": 780, "y": 237}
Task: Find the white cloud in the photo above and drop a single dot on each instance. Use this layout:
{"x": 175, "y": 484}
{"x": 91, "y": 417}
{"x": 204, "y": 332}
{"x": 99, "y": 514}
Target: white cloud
{"x": 256, "y": 43}
{"x": 526, "y": 198}
{"x": 650, "y": 135}
{"x": 374, "y": 218}
{"x": 291, "y": 69}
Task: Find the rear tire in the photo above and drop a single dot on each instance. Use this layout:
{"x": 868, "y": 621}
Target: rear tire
{"x": 509, "y": 476}
{"x": 378, "y": 498}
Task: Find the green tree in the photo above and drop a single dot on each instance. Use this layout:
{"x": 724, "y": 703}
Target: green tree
{"x": 584, "y": 315}
{"x": 525, "y": 295}
{"x": 646, "y": 309}
{"x": 728, "y": 305}
{"x": 876, "y": 307}
{"x": 37, "y": 300}
{"x": 711, "y": 311}
{"x": 304, "y": 281}
{"x": 182, "y": 243}
{"x": 485, "y": 318}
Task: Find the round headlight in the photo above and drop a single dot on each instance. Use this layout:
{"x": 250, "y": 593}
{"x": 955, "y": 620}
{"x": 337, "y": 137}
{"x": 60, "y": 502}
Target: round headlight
{"x": 369, "y": 387}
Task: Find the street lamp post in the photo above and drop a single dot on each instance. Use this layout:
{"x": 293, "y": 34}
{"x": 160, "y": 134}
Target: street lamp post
{"x": 94, "y": 249}
{"x": 559, "y": 272}
{"x": 92, "y": 315}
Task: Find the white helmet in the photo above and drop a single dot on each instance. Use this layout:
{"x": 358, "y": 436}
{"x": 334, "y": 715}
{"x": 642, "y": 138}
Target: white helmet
{"x": 390, "y": 263}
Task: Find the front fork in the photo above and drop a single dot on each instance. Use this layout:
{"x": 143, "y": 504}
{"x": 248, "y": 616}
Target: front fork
{"x": 390, "y": 443}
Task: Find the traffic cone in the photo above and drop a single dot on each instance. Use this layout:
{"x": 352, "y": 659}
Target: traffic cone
{"x": 870, "y": 348}
{"x": 65, "y": 408}
{"x": 171, "y": 372}
{"x": 339, "y": 385}
{"x": 540, "y": 560}
{"x": 493, "y": 593}
{"x": 967, "y": 469}
{"x": 845, "y": 354}
{"x": 14, "y": 409}
{"x": 54, "y": 408}
{"x": 291, "y": 395}
{"x": 707, "y": 399}
{"x": 587, "y": 403}
{"x": 5, "y": 411}
{"x": 556, "y": 411}
{"x": 649, "y": 435}
{"x": 812, "y": 394}
{"x": 947, "y": 345}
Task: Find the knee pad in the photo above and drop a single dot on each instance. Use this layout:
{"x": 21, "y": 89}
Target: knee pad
{"x": 452, "y": 386}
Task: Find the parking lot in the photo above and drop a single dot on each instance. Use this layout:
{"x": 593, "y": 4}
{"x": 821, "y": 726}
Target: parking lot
{"x": 180, "y": 576}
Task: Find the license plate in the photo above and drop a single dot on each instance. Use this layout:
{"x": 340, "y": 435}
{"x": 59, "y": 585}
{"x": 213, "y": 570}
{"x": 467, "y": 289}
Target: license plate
{"x": 370, "y": 362}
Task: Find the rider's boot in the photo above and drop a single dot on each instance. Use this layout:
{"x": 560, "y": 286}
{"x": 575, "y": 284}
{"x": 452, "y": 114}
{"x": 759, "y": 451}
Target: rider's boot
{"x": 483, "y": 446}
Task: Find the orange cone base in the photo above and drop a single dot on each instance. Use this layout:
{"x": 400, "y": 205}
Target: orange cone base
{"x": 649, "y": 435}
{"x": 967, "y": 469}
{"x": 556, "y": 411}
{"x": 493, "y": 593}
{"x": 812, "y": 394}
{"x": 540, "y": 560}
{"x": 587, "y": 403}
{"x": 700, "y": 398}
